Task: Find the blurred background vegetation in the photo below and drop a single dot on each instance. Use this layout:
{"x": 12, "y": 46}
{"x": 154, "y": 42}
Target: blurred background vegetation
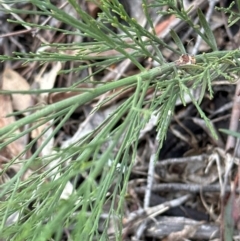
{"x": 113, "y": 118}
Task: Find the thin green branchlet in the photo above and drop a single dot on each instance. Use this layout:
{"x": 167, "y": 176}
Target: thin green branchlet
{"x": 41, "y": 212}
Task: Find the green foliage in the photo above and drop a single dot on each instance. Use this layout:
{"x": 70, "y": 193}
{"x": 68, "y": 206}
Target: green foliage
{"x": 81, "y": 212}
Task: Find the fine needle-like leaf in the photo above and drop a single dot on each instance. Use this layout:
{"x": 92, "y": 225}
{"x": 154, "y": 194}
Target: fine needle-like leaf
{"x": 210, "y": 39}
{"x": 178, "y": 41}
{"x": 98, "y": 163}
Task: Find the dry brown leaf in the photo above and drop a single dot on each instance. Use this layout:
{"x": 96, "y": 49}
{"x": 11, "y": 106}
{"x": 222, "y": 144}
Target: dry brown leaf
{"x": 163, "y": 25}
{"x": 56, "y": 97}
{"x": 13, "y": 81}
{"x": 5, "y": 109}
{"x": 47, "y": 80}
{"x": 14, "y": 148}
{"x": 93, "y": 9}
{"x": 187, "y": 232}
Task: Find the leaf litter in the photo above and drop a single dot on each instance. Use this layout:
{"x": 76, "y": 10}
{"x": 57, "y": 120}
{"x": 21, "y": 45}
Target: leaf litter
{"x": 187, "y": 180}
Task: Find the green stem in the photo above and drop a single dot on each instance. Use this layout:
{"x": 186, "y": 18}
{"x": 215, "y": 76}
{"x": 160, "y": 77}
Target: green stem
{"x": 85, "y": 97}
